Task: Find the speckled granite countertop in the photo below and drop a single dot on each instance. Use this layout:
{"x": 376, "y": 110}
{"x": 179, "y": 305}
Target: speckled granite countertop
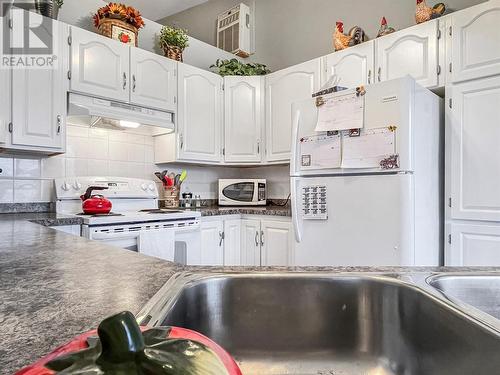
{"x": 54, "y": 286}
{"x": 266, "y": 211}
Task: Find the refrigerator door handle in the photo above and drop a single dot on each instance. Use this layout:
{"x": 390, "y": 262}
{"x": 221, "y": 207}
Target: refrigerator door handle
{"x": 295, "y": 211}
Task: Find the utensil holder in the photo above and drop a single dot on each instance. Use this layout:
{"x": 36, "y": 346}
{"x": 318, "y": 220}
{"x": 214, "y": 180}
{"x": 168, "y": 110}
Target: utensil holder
{"x": 171, "y": 196}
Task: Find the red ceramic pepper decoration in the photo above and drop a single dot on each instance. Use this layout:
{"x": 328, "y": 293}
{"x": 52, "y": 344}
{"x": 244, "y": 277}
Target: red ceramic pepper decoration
{"x": 125, "y": 348}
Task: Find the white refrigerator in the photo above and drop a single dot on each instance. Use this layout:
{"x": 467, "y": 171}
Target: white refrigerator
{"x": 369, "y": 197}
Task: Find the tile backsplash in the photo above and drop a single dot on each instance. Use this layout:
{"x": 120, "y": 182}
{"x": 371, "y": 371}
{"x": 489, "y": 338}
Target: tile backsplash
{"x": 102, "y": 152}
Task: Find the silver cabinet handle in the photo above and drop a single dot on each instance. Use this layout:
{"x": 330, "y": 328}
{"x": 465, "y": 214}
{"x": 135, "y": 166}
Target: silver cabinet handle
{"x": 59, "y": 120}
{"x": 124, "y": 80}
{"x": 380, "y": 74}
{"x": 181, "y": 140}
{"x": 221, "y": 238}
{"x": 257, "y": 238}
{"x": 258, "y": 147}
{"x": 133, "y": 83}
{"x": 369, "y": 76}
{"x": 262, "y": 238}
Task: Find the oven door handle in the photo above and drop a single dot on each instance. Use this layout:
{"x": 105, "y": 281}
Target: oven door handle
{"x": 113, "y": 235}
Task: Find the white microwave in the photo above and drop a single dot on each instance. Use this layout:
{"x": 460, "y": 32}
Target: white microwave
{"x": 242, "y": 192}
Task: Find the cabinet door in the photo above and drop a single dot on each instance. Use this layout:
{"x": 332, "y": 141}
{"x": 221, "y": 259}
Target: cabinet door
{"x": 474, "y": 124}
{"x": 283, "y": 88}
{"x": 100, "y": 66}
{"x": 232, "y": 242}
{"x": 199, "y": 114}
{"x": 474, "y": 245}
{"x": 352, "y": 66}
{"x": 412, "y": 51}
{"x": 39, "y": 98}
{"x": 5, "y": 106}
{"x": 154, "y": 83}
{"x": 475, "y": 42}
{"x": 212, "y": 243}
{"x": 243, "y": 119}
{"x": 250, "y": 242}
{"x": 276, "y": 243}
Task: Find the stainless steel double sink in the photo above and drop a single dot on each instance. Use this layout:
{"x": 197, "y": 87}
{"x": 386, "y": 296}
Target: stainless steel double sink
{"x": 340, "y": 324}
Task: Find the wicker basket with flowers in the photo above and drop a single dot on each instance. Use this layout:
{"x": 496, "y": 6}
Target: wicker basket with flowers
{"x": 119, "y": 21}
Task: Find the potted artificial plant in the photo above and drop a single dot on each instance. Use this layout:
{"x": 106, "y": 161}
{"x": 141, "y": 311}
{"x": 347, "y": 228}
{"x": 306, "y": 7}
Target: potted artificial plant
{"x": 173, "y": 40}
{"x": 120, "y": 22}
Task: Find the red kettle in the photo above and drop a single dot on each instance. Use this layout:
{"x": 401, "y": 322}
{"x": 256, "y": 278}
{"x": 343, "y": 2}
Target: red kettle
{"x": 95, "y": 204}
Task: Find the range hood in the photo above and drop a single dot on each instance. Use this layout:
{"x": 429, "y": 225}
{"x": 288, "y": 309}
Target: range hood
{"x": 116, "y": 115}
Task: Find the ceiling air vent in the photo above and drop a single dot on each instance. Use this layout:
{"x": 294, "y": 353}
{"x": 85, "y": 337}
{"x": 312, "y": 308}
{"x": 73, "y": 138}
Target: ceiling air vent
{"x": 234, "y": 30}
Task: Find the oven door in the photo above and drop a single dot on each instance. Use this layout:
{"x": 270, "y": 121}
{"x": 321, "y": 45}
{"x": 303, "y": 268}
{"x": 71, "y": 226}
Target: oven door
{"x": 187, "y": 239}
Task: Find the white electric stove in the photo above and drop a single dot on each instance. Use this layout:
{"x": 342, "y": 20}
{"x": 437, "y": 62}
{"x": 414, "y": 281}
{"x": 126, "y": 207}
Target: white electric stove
{"x": 135, "y": 212}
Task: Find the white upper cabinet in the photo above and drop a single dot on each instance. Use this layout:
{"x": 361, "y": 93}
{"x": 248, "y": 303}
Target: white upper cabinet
{"x": 283, "y": 88}
{"x": 154, "y": 81}
{"x": 199, "y": 120}
{"x": 475, "y": 150}
{"x": 39, "y": 98}
{"x": 412, "y": 51}
{"x": 243, "y": 119}
{"x": 100, "y": 66}
{"x": 277, "y": 243}
{"x": 476, "y": 42}
{"x": 353, "y": 66}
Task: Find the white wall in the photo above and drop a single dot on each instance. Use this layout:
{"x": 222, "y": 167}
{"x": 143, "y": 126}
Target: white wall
{"x": 102, "y": 152}
{"x": 289, "y": 32}
{"x": 199, "y": 54}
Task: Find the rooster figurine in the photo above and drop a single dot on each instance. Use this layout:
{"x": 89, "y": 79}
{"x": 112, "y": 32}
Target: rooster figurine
{"x": 342, "y": 41}
{"x": 425, "y": 13}
{"x": 385, "y": 29}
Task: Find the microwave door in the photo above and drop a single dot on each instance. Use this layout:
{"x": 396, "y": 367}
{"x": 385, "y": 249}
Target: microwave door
{"x": 242, "y": 192}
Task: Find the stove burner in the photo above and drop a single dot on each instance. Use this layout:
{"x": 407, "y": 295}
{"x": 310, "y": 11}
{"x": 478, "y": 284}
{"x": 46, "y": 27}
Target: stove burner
{"x": 111, "y": 214}
{"x": 160, "y": 211}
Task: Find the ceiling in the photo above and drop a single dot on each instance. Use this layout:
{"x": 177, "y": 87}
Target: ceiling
{"x": 158, "y": 9}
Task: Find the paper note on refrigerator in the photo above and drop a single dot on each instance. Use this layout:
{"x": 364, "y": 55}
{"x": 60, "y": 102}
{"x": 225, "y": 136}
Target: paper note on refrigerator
{"x": 369, "y": 149}
{"x": 340, "y": 112}
{"x": 320, "y": 152}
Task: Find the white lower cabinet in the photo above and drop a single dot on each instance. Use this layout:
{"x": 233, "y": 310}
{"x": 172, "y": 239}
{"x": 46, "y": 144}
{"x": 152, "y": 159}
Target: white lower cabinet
{"x": 473, "y": 245}
{"x": 246, "y": 241}
{"x": 250, "y": 242}
{"x": 212, "y": 243}
{"x": 276, "y": 243}
{"x": 232, "y": 242}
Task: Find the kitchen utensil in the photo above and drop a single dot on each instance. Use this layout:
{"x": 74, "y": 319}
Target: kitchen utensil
{"x": 158, "y": 174}
{"x": 177, "y": 181}
{"x": 95, "y": 204}
{"x": 183, "y": 176}
{"x": 123, "y": 345}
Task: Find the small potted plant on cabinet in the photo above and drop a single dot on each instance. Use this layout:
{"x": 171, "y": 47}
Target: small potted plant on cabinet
{"x": 173, "y": 40}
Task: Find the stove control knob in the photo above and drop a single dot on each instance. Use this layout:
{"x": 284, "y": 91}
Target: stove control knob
{"x": 144, "y": 187}
{"x": 77, "y": 185}
{"x": 151, "y": 187}
{"x": 65, "y": 186}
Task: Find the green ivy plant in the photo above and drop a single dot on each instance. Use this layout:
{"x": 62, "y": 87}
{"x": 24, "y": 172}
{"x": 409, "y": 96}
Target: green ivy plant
{"x": 234, "y": 67}
{"x": 173, "y": 36}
